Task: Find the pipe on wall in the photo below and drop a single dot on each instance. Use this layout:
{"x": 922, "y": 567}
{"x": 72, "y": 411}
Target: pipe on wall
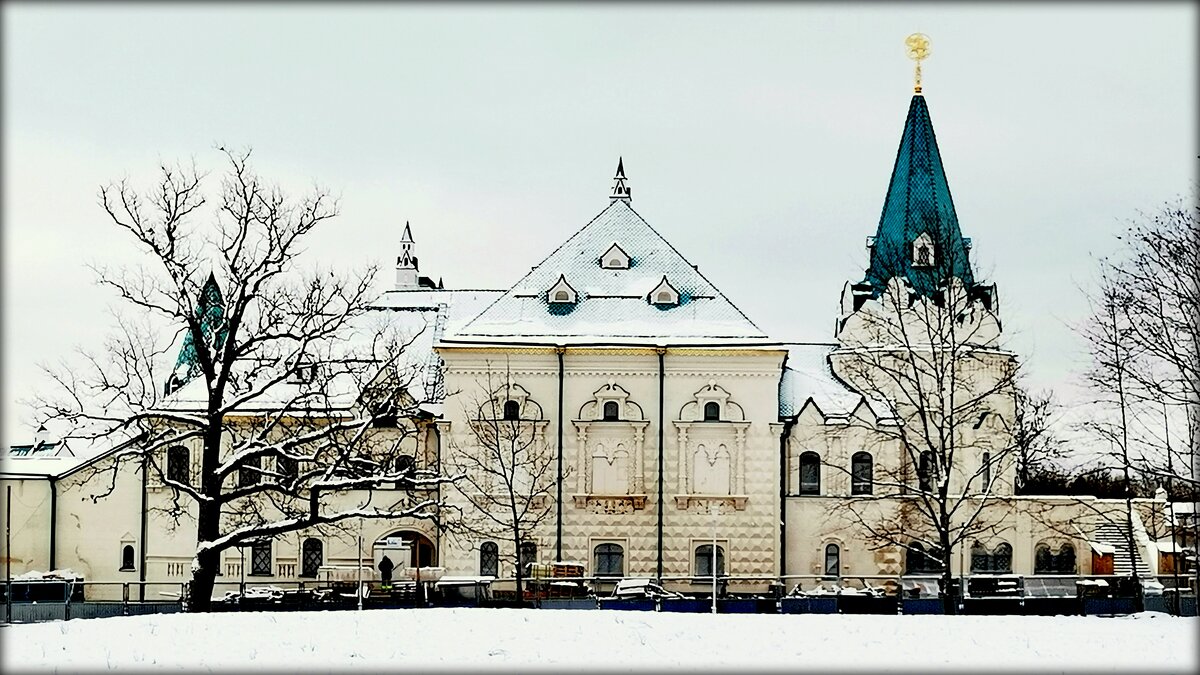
{"x": 662, "y": 379}
{"x": 559, "y": 500}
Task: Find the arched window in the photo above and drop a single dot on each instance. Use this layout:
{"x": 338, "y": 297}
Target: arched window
{"x": 609, "y": 560}
{"x": 712, "y": 411}
{"x": 528, "y": 555}
{"x": 127, "y": 558}
{"x": 861, "y": 473}
{"x": 999, "y": 561}
{"x": 663, "y": 297}
{"x": 924, "y": 470}
{"x": 833, "y": 560}
{"x": 489, "y": 559}
{"x": 1047, "y": 562}
{"x": 923, "y": 256}
{"x": 562, "y": 296}
{"x": 512, "y": 410}
{"x": 1002, "y": 558}
{"x": 704, "y": 563}
{"x": 312, "y": 556}
{"x": 810, "y": 473}
{"x": 260, "y": 557}
{"x": 612, "y": 411}
{"x": 178, "y": 470}
{"x": 919, "y": 560}
{"x": 405, "y": 464}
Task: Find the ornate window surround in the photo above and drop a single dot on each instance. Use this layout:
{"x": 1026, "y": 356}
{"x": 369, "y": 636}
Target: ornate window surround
{"x": 690, "y": 427}
{"x": 591, "y": 425}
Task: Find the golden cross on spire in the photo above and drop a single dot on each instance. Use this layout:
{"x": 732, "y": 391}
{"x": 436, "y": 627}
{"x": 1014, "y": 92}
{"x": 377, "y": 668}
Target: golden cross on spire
{"x": 918, "y": 50}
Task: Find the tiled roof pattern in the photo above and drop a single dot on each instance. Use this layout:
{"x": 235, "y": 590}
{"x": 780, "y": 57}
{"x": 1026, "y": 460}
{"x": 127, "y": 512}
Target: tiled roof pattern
{"x": 612, "y": 304}
{"x": 918, "y": 200}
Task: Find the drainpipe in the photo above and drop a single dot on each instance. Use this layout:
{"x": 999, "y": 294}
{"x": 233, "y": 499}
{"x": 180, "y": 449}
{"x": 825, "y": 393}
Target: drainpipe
{"x": 142, "y": 536}
{"x": 783, "y": 483}
{"x": 661, "y": 507}
{"x": 560, "y": 350}
{"x": 53, "y": 522}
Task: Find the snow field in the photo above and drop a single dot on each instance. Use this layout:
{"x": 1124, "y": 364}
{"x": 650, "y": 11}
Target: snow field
{"x": 418, "y": 640}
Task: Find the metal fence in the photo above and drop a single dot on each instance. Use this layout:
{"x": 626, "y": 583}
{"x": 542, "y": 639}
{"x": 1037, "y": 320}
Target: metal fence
{"x": 789, "y": 594}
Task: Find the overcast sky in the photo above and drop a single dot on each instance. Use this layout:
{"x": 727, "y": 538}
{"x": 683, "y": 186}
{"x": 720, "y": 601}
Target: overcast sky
{"x": 757, "y": 139}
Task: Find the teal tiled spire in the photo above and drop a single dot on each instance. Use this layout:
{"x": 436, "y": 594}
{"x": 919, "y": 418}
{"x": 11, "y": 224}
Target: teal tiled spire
{"x": 210, "y": 309}
{"x": 918, "y": 202}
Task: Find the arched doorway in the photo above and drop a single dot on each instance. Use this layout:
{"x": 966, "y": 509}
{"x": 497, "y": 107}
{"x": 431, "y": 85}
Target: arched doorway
{"x": 421, "y": 550}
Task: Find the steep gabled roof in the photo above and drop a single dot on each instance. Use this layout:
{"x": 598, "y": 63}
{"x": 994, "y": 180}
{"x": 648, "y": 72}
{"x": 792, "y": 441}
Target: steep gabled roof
{"x": 918, "y": 201}
{"x": 612, "y": 307}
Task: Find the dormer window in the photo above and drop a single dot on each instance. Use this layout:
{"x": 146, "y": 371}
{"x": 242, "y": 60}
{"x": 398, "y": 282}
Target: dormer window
{"x": 615, "y": 258}
{"x": 922, "y": 251}
{"x": 664, "y": 294}
{"x": 561, "y": 293}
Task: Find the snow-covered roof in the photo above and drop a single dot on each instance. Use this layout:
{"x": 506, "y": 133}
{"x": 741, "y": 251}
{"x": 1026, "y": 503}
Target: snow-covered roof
{"x": 807, "y": 375}
{"x": 82, "y": 451}
{"x": 613, "y": 305}
{"x": 417, "y": 315}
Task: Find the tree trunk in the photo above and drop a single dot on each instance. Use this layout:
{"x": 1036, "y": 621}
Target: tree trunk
{"x": 520, "y": 573}
{"x": 203, "y": 579}
{"x": 946, "y": 581}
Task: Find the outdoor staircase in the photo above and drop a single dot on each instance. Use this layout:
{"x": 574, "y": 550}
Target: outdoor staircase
{"x": 1117, "y": 536}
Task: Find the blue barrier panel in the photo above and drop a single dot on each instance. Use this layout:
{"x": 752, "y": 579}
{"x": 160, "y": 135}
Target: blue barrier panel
{"x": 635, "y": 604}
{"x": 804, "y": 605}
{"x": 921, "y": 606}
{"x": 569, "y": 603}
{"x": 694, "y": 605}
{"x": 992, "y": 606}
{"x": 1156, "y": 603}
{"x": 737, "y": 606}
{"x": 1101, "y": 606}
{"x": 866, "y": 604}
{"x": 1053, "y": 607}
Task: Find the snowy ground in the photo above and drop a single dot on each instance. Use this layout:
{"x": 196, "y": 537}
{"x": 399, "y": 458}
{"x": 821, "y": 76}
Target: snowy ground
{"x": 470, "y": 639}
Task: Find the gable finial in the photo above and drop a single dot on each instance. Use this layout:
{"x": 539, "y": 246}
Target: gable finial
{"x": 620, "y": 189}
{"x": 918, "y": 50}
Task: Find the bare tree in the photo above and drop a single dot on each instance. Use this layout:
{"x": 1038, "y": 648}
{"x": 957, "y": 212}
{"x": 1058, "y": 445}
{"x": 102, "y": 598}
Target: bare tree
{"x": 283, "y": 380}
{"x": 508, "y": 471}
{"x": 1145, "y": 338}
{"x": 942, "y": 395}
{"x": 1037, "y": 448}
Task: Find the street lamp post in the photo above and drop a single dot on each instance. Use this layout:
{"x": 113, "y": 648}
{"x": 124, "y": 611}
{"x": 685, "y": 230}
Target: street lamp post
{"x": 713, "y": 507}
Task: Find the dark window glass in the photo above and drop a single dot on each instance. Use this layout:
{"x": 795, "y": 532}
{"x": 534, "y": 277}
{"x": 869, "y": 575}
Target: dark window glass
{"x": 810, "y": 473}
{"x": 861, "y": 474}
{"x": 287, "y": 468}
{"x": 312, "y": 555}
{"x": 612, "y": 411}
{"x": 921, "y": 560}
{"x": 126, "y": 557}
{"x": 1002, "y": 558}
{"x": 178, "y": 459}
{"x": 987, "y": 471}
{"x": 528, "y": 555}
{"x": 610, "y": 560}
{"x": 1064, "y": 562}
{"x": 512, "y": 410}
{"x": 489, "y": 559}
{"x": 833, "y": 560}
{"x": 260, "y": 558}
{"x": 250, "y": 472}
{"x": 923, "y": 257}
{"x": 923, "y": 472}
{"x": 712, "y": 411}
{"x": 704, "y": 560}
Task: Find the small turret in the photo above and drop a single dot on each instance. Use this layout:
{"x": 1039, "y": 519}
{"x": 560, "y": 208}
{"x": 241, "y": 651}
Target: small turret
{"x": 620, "y": 190}
{"x": 406, "y": 263}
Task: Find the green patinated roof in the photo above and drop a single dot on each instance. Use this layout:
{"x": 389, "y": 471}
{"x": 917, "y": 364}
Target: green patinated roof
{"x": 210, "y": 309}
{"x": 918, "y": 201}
